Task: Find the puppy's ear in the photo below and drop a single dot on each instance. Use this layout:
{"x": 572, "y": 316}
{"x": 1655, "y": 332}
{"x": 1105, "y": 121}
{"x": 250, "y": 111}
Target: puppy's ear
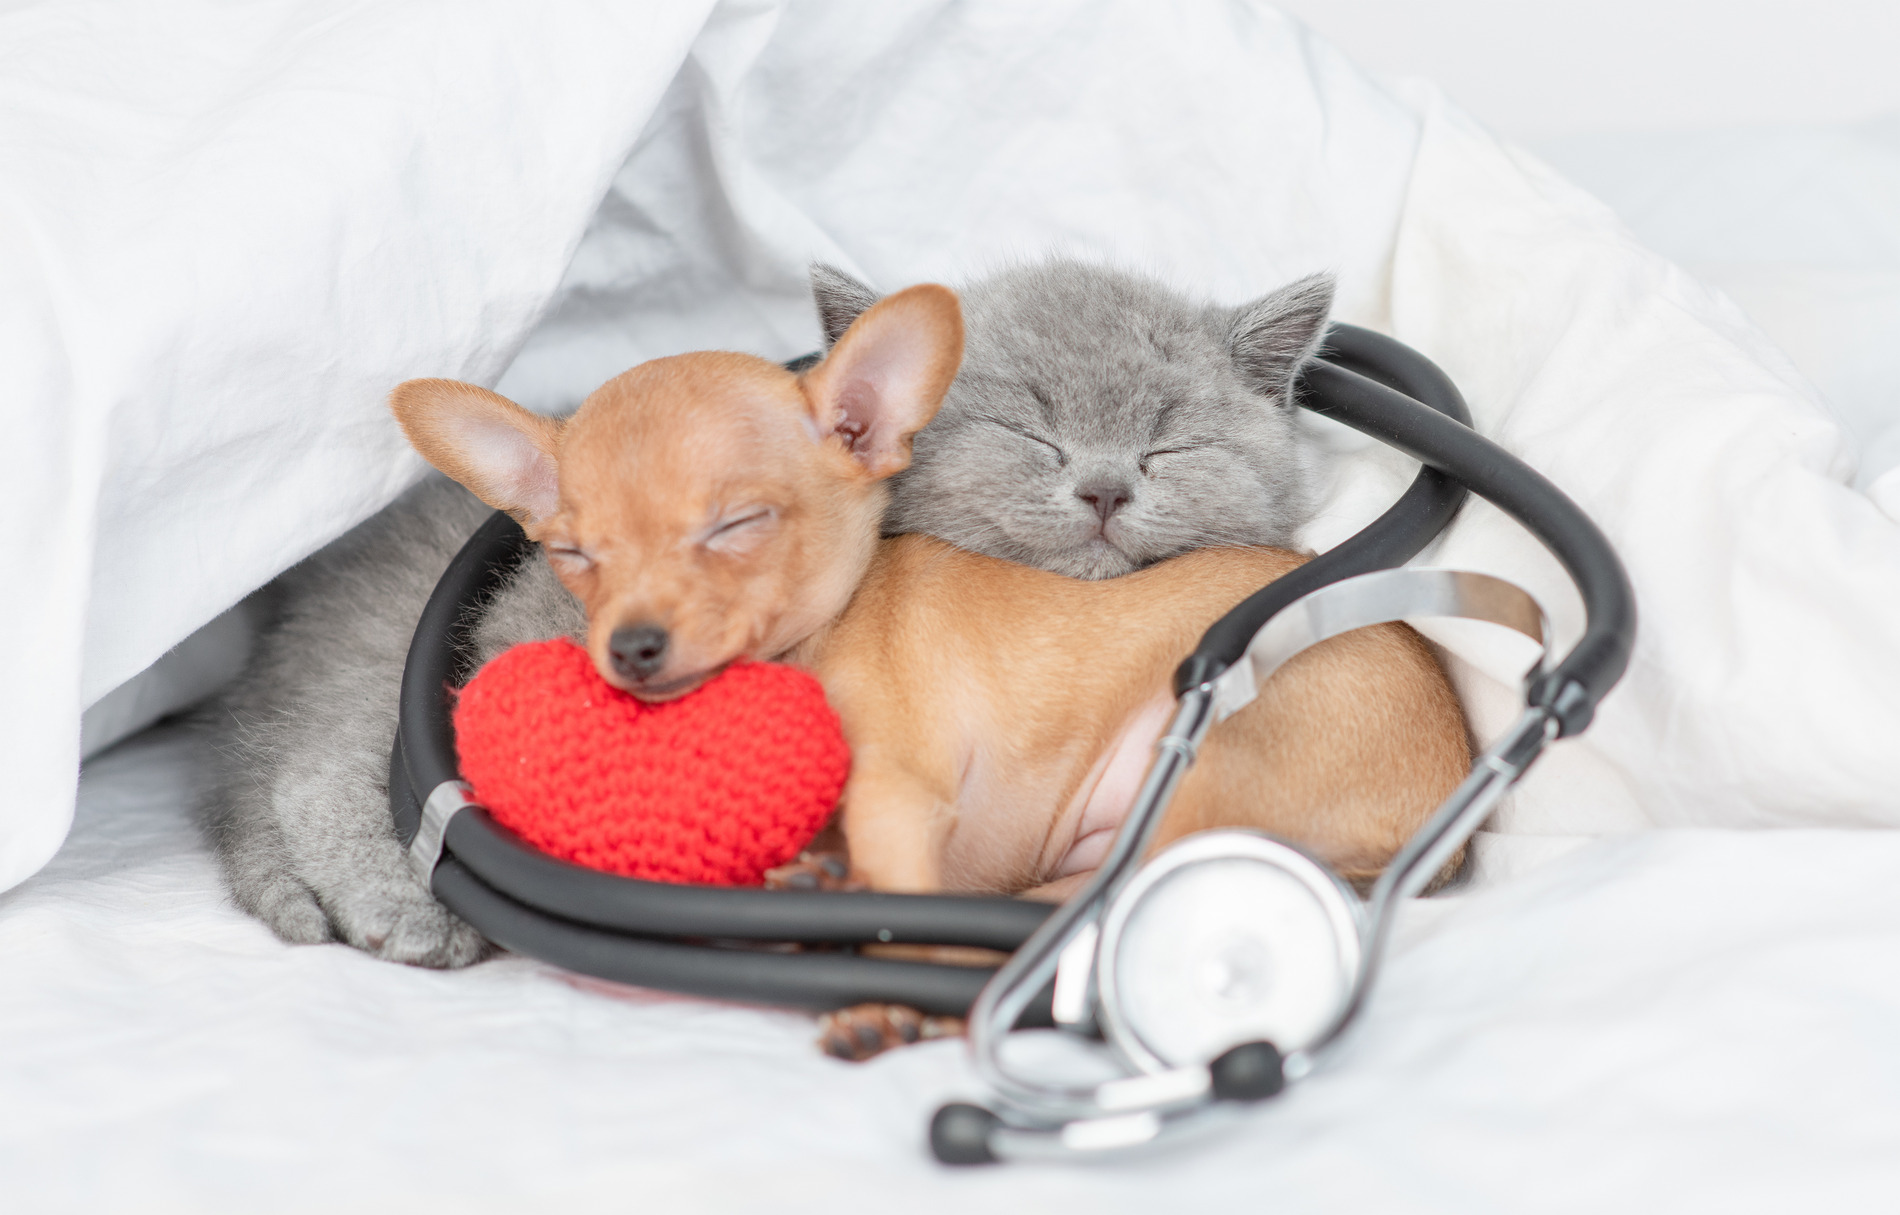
{"x": 886, "y": 376}
{"x": 1272, "y": 336}
{"x": 841, "y": 299}
{"x": 505, "y": 455}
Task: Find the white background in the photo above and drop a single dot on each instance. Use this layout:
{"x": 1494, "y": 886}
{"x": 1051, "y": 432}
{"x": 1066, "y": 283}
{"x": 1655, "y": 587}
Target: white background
{"x": 1536, "y": 68}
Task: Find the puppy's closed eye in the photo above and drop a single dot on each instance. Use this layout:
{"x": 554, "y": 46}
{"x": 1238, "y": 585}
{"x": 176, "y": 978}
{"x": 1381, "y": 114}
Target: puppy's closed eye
{"x": 568, "y": 560}
{"x": 740, "y": 530}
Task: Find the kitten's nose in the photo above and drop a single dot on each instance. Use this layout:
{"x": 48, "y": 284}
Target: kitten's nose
{"x": 1105, "y": 498}
{"x": 637, "y": 652}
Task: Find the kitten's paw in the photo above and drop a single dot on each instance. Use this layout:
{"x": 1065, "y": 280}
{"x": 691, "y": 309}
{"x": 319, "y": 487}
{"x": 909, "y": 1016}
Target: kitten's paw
{"x": 814, "y": 871}
{"x": 867, "y": 1030}
{"x": 291, "y": 911}
{"x": 407, "y": 926}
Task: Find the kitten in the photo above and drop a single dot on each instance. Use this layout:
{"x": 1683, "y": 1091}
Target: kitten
{"x": 299, "y": 806}
{"x": 1102, "y": 422}
{"x": 1099, "y": 423}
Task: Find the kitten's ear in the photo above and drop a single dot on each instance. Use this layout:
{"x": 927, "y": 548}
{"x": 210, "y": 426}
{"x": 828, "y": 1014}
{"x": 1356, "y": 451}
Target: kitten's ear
{"x": 841, "y": 299}
{"x": 505, "y": 455}
{"x": 1272, "y": 336}
{"x": 886, "y": 376}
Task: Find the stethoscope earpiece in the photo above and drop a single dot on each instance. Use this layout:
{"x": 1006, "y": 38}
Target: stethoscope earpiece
{"x": 1252, "y": 1071}
{"x": 960, "y": 1133}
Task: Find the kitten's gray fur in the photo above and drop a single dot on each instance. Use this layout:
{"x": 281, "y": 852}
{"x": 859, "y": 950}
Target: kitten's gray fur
{"x": 300, "y": 813}
{"x": 1082, "y": 385}
{"x": 1105, "y": 367}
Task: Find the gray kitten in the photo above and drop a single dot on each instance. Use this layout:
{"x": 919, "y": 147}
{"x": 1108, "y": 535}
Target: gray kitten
{"x": 300, "y": 809}
{"x": 1099, "y": 423}
{"x": 1102, "y": 422}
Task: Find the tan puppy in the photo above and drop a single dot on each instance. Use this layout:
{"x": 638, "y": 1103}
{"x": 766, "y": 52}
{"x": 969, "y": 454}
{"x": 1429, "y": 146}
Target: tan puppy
{"x": 1001, "y": 719}
{"x": 710, "y": 507}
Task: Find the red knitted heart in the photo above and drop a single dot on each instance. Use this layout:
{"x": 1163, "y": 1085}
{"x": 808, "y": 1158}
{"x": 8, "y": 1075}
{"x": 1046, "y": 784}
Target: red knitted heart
{"x": 715, "y": 787}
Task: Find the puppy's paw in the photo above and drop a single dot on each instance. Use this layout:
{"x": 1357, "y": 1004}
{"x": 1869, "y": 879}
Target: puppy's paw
{"x": 865, "y": 1030}
{"x": 409, "y": 926}
{"x": 814, "y": 871}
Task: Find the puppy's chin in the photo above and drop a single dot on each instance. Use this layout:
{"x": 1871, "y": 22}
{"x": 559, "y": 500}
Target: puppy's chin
{"x": 659, "y": 691}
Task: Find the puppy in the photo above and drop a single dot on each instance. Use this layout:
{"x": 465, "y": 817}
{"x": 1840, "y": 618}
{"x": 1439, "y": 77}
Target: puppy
{"x": 710, "y": 507}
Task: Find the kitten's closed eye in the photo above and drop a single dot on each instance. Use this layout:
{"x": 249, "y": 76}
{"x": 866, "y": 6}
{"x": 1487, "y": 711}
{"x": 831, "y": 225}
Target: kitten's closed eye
{"x": 1062, "y": 457}
{"x": 1182, "y": 450}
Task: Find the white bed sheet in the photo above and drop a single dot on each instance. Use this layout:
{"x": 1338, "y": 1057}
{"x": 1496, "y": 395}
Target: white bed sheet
{"x": 1676, "y": 1020}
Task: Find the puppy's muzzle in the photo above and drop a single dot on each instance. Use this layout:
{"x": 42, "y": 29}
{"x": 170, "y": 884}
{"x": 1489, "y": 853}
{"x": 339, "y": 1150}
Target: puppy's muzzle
{"x": 637, "y": 652}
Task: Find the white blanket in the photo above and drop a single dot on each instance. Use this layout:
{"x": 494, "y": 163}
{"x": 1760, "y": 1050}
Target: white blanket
{"x": 229, "y": 231}
{"x": 225, "y": 233}
{"x": 1670, "y": 1021}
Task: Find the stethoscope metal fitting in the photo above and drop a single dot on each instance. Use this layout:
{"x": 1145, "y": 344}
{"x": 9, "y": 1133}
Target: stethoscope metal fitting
{"x": 1214, "y": 973}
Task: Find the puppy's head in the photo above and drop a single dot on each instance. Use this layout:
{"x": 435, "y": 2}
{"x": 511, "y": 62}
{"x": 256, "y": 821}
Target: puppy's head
{"x": 706, "y": 507}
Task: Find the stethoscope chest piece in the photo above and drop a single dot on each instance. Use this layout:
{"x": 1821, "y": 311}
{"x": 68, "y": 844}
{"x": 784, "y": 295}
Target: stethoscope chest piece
{"x": 1226, "y": 937}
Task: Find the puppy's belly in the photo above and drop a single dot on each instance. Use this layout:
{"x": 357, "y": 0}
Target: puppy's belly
{"x": 1082, "y": 835}
{"x": 1023, "y": 825}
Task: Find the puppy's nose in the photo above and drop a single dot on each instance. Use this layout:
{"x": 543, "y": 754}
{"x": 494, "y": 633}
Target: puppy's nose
{"x": 1105, "y": 498}
{"x": 637, "y": 652}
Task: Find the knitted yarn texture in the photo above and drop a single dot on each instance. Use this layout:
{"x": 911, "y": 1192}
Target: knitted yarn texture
{"x": 716, "y": 787}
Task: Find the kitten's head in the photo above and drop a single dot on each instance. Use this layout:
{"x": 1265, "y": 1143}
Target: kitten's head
{"x": 1102, "y": 422}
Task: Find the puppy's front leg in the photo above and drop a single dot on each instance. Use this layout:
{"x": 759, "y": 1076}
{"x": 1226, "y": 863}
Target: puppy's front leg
{"x": 897, "y": 818}
{"x": 865, "y": 1031}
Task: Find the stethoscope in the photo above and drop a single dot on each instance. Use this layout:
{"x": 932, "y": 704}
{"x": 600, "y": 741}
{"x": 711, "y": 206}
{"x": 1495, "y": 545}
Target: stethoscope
{"x": 1212, "y": 974}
